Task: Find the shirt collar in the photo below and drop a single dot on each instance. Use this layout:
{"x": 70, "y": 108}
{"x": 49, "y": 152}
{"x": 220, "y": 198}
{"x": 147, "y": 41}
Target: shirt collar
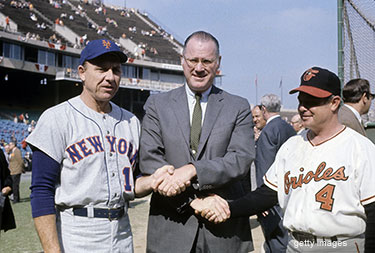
{"x": 271, "y": 118}
{"x": 356, "y": 113}
{"x": 191, "y": 94}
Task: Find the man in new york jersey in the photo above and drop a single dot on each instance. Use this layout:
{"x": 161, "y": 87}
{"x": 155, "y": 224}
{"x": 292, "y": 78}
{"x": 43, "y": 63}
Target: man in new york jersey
{"x": 324, "y": 178}
{"x": 85, "y": 152}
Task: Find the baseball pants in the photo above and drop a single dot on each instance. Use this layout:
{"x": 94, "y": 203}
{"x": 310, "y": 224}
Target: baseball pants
{"x": 86, "y": 234}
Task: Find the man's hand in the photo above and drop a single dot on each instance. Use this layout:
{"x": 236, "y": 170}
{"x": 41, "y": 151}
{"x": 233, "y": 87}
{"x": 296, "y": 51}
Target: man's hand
{"x": 6, "y": 190}
{"x": 213, "y": 208}
{"x": 171, "y": 185}
{"x": 146, "y": 184}
{"x": 160, "y": 174}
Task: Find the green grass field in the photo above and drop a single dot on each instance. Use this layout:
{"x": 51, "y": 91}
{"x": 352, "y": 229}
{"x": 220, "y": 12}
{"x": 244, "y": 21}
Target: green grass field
{"x": 24, "y": 238}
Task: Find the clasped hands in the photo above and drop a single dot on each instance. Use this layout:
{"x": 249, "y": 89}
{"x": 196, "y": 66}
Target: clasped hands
{"x": 169, "y": 182}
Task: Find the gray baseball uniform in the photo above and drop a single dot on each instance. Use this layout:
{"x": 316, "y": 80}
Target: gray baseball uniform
{"x": 97, "y": 153}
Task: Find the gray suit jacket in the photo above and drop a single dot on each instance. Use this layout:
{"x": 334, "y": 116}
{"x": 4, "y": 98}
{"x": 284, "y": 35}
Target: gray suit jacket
{"x": 225, "y": 152}
{"x": 348, "y": 118}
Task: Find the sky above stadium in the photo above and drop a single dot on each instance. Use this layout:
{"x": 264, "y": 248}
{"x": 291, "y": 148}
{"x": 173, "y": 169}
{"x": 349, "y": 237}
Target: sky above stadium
{"x": 272, "y": 41}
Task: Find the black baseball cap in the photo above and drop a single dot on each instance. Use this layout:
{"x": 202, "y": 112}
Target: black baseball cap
{"x": 97, "y": 48}
{"x": 319, "y": 82}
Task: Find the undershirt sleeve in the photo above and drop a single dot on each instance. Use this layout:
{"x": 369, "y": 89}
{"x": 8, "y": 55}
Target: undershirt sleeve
{"x": 260, "y": 200}
{"x": 43, "y": 182}
{"x": 370, "y": 228}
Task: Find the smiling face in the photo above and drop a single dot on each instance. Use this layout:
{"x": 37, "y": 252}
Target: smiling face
{"x": 101, "y": 77}
{"x": 200, "y": 63}
{"x": 317, "y": 112}
{"x": 258, "y": 118}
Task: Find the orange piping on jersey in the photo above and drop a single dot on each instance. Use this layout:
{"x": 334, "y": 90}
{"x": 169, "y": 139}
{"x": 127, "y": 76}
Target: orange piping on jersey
{"x": 368, "y": 198}
{"x": 330, "y": 138}
{"x": 270, "y": 182}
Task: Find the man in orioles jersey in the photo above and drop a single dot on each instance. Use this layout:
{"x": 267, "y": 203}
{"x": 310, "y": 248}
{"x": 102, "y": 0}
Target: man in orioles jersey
{"x": 324, "y": 178}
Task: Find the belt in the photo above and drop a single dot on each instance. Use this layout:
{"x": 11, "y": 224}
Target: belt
{"x": 109, "y": 213}
{"x": 303, "y": 237}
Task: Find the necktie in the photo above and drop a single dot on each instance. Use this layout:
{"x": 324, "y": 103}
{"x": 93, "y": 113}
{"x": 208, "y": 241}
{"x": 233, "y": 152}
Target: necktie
{"x": 196, "y": 124}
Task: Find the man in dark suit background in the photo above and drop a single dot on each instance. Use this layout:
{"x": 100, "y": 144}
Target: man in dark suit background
{"x": 6, "y": 213}
{"x": 357, "y": 101}
{"x": 207, "y": 135}
{"x": 273, "y": 135}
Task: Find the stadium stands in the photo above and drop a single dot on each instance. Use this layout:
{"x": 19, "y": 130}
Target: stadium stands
{"x": 9, "y": 129}
{"x": 26, "y": 26}
{"x": 37, "y": 74}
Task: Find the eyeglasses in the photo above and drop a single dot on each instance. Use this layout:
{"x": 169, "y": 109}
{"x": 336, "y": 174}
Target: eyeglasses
{"x": 194, "y": 62}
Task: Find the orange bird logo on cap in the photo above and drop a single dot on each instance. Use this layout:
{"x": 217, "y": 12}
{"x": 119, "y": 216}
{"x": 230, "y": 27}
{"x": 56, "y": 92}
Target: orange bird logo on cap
{"x": 310, "y": 73}
{"x": 106, "y": 44}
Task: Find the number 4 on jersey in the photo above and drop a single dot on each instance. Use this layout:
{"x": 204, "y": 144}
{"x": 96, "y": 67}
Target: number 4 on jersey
{"x": 325, "y": 197}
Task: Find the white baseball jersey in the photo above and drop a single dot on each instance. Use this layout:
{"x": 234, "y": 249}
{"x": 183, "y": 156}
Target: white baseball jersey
{"x": 96, "y": 151}
{"x": 322, "y": 188}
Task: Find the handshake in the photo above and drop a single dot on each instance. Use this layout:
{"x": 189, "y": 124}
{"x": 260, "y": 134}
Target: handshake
{"x": 169, "y": 182}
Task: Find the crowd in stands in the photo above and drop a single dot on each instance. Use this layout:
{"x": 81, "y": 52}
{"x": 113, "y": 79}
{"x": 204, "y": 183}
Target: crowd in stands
{"x": 16, "y": 131}
{"x": 101, "y": 20}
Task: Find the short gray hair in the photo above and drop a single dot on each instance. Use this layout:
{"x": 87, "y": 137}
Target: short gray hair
{"x": 271, "y": 102}
{"x": 203, "y": 36}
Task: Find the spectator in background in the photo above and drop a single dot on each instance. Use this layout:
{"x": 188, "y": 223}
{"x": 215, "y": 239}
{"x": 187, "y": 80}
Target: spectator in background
{"x": 357, "y": 101}
{"x": 7, "y": 24}
{"x": 297, "y": 123}
{"x": 273, "y": 135}
{"x": 6, "y": 213}
{"x": 16, "y": 167}
{"x": 258, "y": 120}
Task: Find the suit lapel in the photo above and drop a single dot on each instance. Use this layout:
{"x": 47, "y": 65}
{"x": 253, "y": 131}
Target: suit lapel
{"x": 181, "y": 112}
{"x": 214, "y": 106}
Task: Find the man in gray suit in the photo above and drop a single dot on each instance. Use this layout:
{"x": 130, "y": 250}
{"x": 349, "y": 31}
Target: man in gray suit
{"x": 273, "y": 135}
{"x": 357, "y": 101}
{"x": 207, "y": 135}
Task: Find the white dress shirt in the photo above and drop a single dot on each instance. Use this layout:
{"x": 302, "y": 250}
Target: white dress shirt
{"x": 191, "y": 102}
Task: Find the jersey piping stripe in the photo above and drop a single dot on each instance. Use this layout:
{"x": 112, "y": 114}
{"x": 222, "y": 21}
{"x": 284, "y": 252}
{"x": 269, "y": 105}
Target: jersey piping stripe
{"x": 265, "y": 177}
{"x": 320, "y": 143}
{"x": 364, "y": 200}
{"x": 101, "y": 134}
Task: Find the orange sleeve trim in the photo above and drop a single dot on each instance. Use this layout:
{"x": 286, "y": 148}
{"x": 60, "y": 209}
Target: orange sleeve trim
{"x": 364, "y": 200}
{"x": 265, "y": 177}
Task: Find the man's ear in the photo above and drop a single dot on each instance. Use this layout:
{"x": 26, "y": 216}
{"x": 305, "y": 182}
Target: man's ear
{"x": 335, "y": 103}
{"x": 364, "y": 98}
{"x": 81, "y": 72}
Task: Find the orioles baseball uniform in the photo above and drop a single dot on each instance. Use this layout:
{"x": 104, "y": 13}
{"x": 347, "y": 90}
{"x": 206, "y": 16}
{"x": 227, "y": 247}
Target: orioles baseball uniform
{"x": 322, "y": 189}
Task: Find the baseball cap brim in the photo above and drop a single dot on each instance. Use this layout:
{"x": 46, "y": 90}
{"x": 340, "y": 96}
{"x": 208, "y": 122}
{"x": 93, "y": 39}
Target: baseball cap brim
{"x": 311, "y": 90}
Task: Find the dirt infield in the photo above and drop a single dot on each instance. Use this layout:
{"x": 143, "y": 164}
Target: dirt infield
{"x": 138, "y": 213}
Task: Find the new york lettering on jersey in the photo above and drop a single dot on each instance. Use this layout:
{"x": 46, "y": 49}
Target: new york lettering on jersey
{"x": 93, "y": 144}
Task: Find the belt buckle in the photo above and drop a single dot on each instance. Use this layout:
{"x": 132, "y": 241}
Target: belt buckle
{"x": 109, "y": 215}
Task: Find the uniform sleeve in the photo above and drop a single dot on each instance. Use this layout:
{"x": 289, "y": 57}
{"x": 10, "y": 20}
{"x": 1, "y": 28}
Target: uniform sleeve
{"x": 254, "y": 202}
{"x": 43, "y": 182}
{"x": 270, "y": 178}
{"x": 48, "y": 134}
{"x": 370, "y": 228}
{"x": 366, "y": 172}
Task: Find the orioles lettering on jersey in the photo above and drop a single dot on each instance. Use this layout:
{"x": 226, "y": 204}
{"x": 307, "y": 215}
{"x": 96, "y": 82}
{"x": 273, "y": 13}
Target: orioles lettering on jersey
{"x": 321, "y": 173}
{"x": 81, "y": 150}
